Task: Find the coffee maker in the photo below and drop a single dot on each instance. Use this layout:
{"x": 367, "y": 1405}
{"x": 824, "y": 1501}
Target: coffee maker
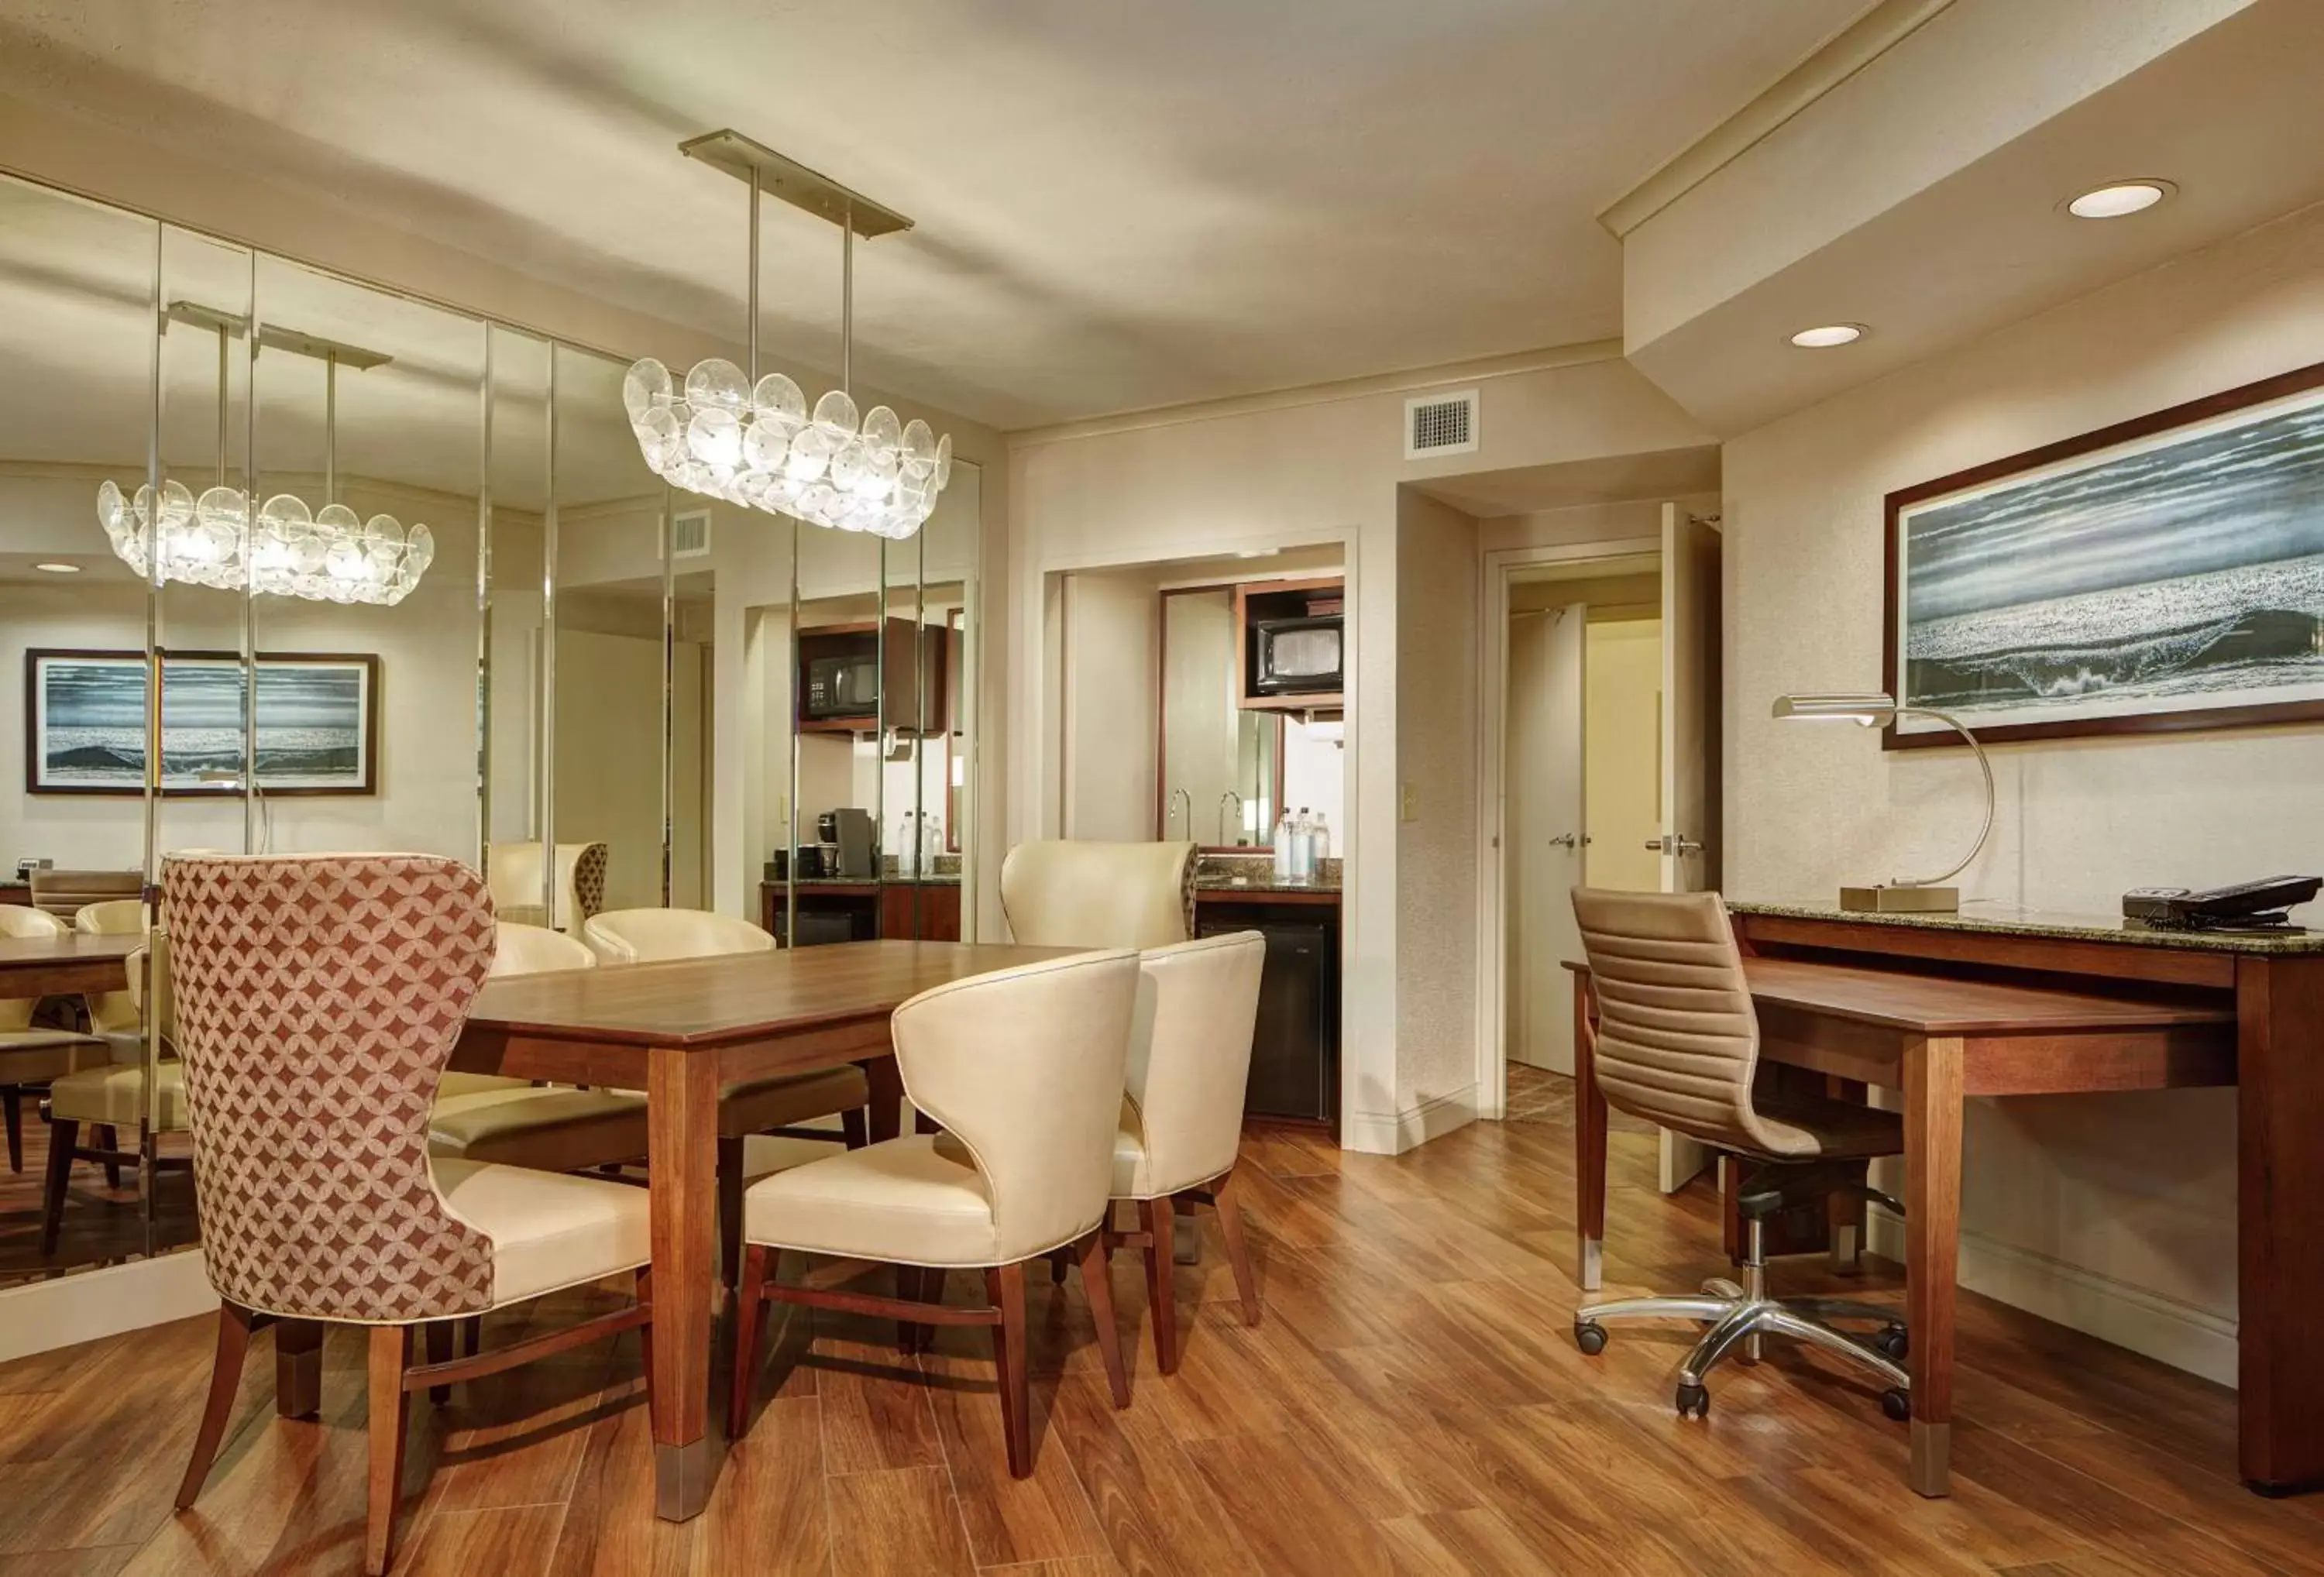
{"x": 849, "y": 831}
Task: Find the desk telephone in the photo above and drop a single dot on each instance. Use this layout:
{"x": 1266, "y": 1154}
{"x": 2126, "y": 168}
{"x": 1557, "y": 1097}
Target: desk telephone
{"x": 2248, "y": 906}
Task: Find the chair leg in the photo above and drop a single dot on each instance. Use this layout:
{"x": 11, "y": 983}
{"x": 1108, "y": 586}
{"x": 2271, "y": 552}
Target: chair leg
{"x": 391, "y": 1351}
{"x": 226, "y": 1378}
{"x": 108, "y": 1139}
{"x": 12, "y": 1113}
{"x": 1228, "y": 1202}
{"x": 1005, "y": 1285}
{"x": 856, "y": 1124}
{"x": 471, "y": 1335}
{"x": 644, "y": 1295}
{"x": 297, "y": 1368}
{"x": 439, "y": 1351}
{"x": 1097, "y": 1284}
{"x": 1155, "y": 1220}
{"x": 63, "y": 1133}
{"x": 751, "y": 1302}
{"x": 730, "y": 1209}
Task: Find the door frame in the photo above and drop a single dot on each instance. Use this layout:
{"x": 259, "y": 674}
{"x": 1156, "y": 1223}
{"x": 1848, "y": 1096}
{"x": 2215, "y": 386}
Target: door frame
{"x": 1500, "y": 568}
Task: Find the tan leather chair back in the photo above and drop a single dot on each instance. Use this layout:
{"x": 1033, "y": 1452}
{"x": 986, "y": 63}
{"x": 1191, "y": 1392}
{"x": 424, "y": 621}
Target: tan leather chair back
{"x": 648, "y": 935}
{"x": 1062, "y": 892}
{"x": 521, "y": 949}
{"x": 113, "y": 1014}
{"x": 513, "y": 874}
{"x": 1023, "y": 1067}
{"x": 1190, "y": 1055}
{"x": 152, "y": 960}
{"x": 63, "y": 892}
{"x": 1677, "y": 1038}
{"x": 17, "y": 920}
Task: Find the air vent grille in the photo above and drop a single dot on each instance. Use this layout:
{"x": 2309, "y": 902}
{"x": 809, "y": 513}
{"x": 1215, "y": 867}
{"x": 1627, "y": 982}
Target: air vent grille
{"x": 1440, "y": 424}
{"x": 690, "y": 535}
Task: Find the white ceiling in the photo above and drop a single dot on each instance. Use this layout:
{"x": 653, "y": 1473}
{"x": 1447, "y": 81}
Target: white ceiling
{"x": 1119, "y": 205}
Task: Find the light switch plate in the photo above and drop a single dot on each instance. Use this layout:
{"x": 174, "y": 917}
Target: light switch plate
{"x": 1409, "y": 806}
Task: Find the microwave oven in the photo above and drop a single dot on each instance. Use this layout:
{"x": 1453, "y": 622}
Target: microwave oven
{"x": 1296, "y": 657}
{"x": 843, "y": 685}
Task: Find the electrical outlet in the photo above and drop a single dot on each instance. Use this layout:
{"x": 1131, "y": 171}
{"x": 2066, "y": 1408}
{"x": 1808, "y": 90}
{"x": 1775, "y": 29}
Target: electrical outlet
{"x": 1409, "y": 805}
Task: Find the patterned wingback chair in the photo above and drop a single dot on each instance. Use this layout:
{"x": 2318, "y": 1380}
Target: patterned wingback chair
{"x": 317, "y": 1001}
{"x": 515, "y": 873}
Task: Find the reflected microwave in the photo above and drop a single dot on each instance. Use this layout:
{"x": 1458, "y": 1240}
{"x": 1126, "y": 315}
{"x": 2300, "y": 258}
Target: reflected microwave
{"x": 843, "y": 684}
{"x": 1296, "y": 655}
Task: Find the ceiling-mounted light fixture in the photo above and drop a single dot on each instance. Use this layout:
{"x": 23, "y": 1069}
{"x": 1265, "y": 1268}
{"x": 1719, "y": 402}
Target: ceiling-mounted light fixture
{"x": 326, "y": 555}
{"x": 1827, "y": 335}
{"x": 752, "y": 440}
{"x": 2119, "y": 199}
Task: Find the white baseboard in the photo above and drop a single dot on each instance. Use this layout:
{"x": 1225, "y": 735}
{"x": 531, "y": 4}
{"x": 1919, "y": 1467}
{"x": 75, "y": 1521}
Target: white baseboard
{"x": 1380, "y": 1133}
{"x": 2164, "y": 1329}
{"x": 44, "y": 1315}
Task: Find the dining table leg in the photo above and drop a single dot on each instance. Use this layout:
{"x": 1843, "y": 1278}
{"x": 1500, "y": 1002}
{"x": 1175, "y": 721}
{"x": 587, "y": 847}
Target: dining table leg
{"x": 1932, "y": 1177}
{"x": 1590, "y": 1147}
{"x": 681, "y": 1151}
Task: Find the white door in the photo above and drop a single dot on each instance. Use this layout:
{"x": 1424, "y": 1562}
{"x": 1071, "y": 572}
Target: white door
{"x": 1543, "y": 781}
{"x": 1691, "y": 729}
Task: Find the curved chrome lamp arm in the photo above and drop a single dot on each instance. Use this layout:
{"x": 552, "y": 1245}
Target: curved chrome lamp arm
{"x": 1985, "y": 766}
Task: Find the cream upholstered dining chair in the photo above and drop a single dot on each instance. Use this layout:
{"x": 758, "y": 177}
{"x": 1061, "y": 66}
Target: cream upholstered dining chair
{"x": 114, "y": 1015}
{"x": 1181, "y": 1124}
{"x": 1676, "y": 1042}
{"x": 1065, "y": 893}
{"x": 30, "y": 1056}
{"x": 779, "y": 1105}
{"x": 513, "y": 869}
{"x": 1023, "y": 1067}
{"x": 517, "y": 948}
{"x": 318, "y": 1001}
{"x": 111, "y": 1097}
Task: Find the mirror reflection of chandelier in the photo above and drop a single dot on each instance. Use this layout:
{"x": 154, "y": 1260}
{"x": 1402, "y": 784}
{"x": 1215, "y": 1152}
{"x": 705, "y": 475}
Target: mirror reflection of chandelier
{"x": 752, "y": 440}
{"x": 325, "y": 554}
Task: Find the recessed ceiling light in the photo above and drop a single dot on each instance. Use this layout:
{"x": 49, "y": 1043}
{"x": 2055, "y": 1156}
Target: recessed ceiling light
{"x": 1827, "y": 335}
{"x": 59, "y": 568}
{"x": 2124, "y": 197}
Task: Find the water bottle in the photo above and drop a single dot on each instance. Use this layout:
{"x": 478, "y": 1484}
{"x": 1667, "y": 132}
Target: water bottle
{"x": 1283, "y": 844}
{"x": 1321, "y": 834}
{"x": 1303, "y": 848}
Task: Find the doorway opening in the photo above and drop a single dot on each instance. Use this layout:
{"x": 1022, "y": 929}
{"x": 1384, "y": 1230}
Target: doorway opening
{"x": 1600, "y": 768}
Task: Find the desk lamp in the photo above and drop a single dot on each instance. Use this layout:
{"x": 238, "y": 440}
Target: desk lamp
{"x": 1924, "y": 895}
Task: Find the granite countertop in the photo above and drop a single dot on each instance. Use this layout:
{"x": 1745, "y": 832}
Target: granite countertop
{"x": 939, "y": 878}
{"x": 1264, "y": 883}
{"x": 2008, "y": 920}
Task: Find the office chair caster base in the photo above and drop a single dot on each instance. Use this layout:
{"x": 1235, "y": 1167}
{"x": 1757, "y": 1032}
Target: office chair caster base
{"x": 1694, "y": 1400}
{"x": 1897, "y": 1405}
{"x": 1589, "y": 1336}
{"x": 1893, "y": 1343}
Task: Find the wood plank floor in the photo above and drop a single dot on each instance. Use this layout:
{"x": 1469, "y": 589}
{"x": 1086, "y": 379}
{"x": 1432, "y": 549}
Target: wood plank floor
{"x": 100, "y": 1225}
{"x": 1411, "y": 1404}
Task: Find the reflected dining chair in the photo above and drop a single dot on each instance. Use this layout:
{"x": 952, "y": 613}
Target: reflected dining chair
{"x": 318, "y": 998}
{"x": 32, "y": 1055}
{"x": 1181, "y": 1124}
{"x": 1066, "y": 892}
{"x": 114, "y": 1015}
{"x": 780, "y": 1105}
{"x": 111, "y": 1097}
{"x": 1025, "y": 1068}
{"x": 513, "y": 869}
{"x": 1676, "y": 1041}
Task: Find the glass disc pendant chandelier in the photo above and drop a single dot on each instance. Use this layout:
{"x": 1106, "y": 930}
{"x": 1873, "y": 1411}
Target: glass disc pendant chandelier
{"x": 325, "y": 554}
{"x": 727, "y": 432}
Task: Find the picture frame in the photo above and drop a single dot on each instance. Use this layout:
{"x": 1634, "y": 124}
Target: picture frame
{"x": 2160, "y": 574}
{"x": 317, "y": 723}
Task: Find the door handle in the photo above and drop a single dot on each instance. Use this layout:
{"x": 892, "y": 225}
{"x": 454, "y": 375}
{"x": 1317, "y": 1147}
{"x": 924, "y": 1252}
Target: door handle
{"x": 1680, "y": 846}
{"x": 1571, "y": 841}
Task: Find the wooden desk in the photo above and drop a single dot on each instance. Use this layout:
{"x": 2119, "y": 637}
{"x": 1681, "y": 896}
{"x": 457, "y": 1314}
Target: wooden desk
{"x": 67, "y": 966}
{"x": 679, "y": 1032}
{"x": 1945, "y": 1007}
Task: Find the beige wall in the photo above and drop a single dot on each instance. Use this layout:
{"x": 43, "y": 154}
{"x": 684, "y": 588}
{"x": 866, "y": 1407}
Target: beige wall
{"x": 1621, "y": 757}
{"x": 2132, "y": 1195}
{"x": 1110, "y": 689}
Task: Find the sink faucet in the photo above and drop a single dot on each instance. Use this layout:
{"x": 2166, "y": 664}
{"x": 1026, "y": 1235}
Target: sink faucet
{"x": 1171, "y": 816}
{"x": 1230, "y": 832}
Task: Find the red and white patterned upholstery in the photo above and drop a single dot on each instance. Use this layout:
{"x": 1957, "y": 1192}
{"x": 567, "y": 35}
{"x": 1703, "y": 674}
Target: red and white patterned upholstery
{"x": 318, "y": 1001}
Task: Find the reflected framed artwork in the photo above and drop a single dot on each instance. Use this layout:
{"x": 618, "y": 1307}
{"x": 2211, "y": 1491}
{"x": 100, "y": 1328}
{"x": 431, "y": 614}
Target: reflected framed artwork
{"x": 317, "y": 717}
{"x": 2162, "y": 574}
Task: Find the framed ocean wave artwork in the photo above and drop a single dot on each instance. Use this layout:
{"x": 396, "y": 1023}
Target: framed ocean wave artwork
{"x": 2163, "y": 574}
{"x": 317, "y": 717}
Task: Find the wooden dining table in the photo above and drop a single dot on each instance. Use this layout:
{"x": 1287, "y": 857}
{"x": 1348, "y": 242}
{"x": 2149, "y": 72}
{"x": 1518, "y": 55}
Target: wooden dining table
{"x": 69, "y": 965}
{"x": 681, "y": 1031}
